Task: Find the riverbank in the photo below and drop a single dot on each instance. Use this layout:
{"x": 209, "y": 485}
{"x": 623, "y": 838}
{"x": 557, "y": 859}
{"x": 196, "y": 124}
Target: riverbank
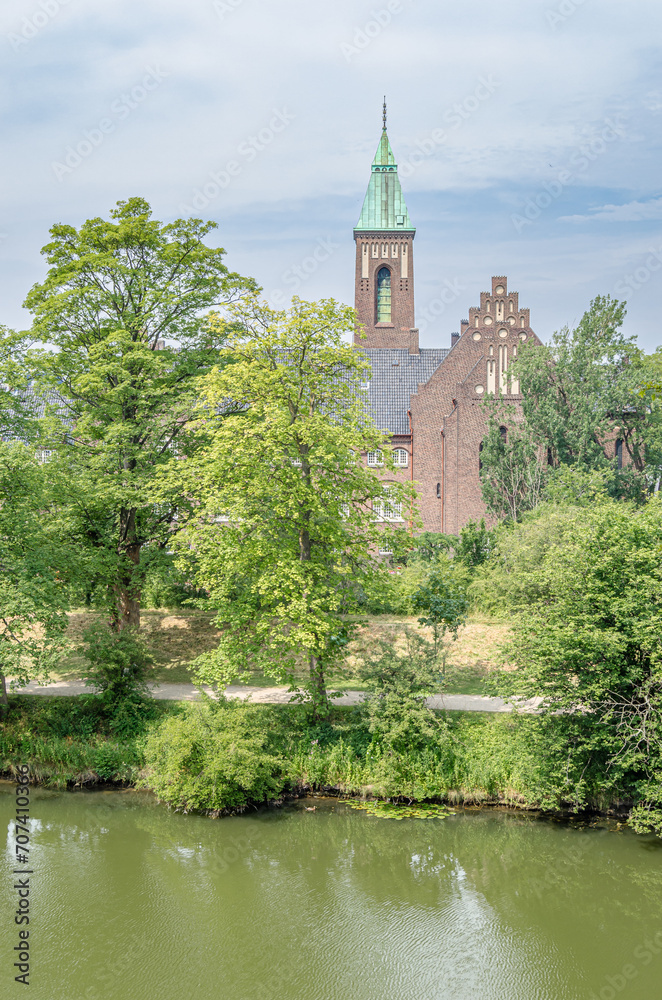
{"x": 219, "y": 759}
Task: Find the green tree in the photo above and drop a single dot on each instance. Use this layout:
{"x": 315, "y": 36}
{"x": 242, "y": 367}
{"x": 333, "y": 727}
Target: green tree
{"x": 125, "y": 304}
{"x": 290, "y": 520}
{"x": 582, "y": 390}
{"x": 588, "y": 641}
{"x": 443, "y": 604}
{"x": 475, "y": 544}
{"x": 33, "y": 595}
{"x": 401, "y": 670}
{"x": 512, "y": 473}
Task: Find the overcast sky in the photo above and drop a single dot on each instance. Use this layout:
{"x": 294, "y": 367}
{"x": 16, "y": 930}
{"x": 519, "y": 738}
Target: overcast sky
{"x": 527, "y": 134}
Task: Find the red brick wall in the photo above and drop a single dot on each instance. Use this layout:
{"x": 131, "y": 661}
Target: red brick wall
{"x": 398, "y": 332}
{"x": 448, "y": 416}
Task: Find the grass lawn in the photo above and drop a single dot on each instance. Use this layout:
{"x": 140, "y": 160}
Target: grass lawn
{"x": 176, "y": 636}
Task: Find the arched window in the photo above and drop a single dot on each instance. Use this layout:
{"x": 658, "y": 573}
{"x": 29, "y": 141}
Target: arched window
{"x": 383, "y": 295}
{"x": 618, "y": 453}
{"x": 480, "y": 451}
{"x": 438, "y": 491}
{"x": 503, "y": 431}
{"x": 401, "y": 457}
{"x": 375, "y": 458}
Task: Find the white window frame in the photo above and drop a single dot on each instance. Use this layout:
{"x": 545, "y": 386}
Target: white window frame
{"x": 376, "y": 458}
{"x": 387, "y": 511}
{"x": 398, "y": 453}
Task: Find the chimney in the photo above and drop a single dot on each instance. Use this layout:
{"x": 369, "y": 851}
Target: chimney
{"x": 454, "y": 339}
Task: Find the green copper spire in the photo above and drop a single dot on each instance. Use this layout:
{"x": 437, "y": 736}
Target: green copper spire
{"x": 384, "y": 208}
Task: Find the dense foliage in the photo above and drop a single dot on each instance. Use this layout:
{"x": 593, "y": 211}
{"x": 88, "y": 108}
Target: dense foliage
{"x": 587, "y": 402}
{"x": 125, "y": 304}
{"x": 249, "y": 754}
{"x": 33, "y": 559}
{"x": 584, "y": 582}
{"x": 290, "y": 521}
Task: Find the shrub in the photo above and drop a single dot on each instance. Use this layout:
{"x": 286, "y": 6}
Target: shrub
{"x": 212, "y": 758}
{"x": 118, "y": 663}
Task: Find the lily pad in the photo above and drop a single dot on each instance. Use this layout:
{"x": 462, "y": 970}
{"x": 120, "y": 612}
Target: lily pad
{"x": 391, "y": 810}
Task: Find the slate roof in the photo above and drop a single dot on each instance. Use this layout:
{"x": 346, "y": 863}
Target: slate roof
{"x": 396, "y": 374}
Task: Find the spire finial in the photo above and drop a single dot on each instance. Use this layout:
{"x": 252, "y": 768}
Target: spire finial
{"x": 384, "y": 112}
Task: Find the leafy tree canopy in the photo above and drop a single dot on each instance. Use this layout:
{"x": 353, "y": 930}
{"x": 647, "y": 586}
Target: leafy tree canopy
{"x": 581, "y": 394}
{"x": 33, "y": 562}
{"x": 290, "y": 520}
{"x": 124, "y": 314}
{"x": 588, "y": 637}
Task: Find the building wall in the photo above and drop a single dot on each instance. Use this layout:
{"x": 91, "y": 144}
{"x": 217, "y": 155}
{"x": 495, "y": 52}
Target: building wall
{"x": 448, "y": 413}
{"x": 449, "y": 417}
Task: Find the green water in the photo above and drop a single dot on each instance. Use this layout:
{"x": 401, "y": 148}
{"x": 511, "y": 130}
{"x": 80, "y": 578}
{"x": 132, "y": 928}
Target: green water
{"x": 130, "y": 900}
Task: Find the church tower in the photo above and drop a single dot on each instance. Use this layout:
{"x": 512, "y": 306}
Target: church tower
{"x": 384, "y": 235}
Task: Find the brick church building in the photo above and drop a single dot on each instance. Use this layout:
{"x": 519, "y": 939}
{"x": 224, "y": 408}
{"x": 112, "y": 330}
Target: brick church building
{"x": 428, "y": 399}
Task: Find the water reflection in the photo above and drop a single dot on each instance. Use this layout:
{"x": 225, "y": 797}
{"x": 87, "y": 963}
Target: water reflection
{"x": 135, "y": 900}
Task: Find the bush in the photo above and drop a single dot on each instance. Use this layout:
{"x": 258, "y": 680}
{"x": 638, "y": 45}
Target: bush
{"x": 401, "y": 671}
{"x": 215, "y": 757}
{"x": 118, "y": 664}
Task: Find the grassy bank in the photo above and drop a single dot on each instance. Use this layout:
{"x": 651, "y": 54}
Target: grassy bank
{"x": 222, "y": 758}
{"x": 176, "y": 636}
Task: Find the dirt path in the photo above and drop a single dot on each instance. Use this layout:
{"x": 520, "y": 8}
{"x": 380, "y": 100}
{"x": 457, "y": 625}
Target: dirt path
{"x": 281, "y": 696}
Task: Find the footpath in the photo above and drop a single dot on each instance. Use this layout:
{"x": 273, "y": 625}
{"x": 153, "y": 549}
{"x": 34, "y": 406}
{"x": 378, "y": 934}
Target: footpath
{"x": 281, "y": 696}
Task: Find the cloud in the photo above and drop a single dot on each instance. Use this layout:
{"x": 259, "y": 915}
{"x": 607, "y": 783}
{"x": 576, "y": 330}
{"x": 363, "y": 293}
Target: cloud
{"x": 230, "y": 65}
{"x": 633, "y": 211}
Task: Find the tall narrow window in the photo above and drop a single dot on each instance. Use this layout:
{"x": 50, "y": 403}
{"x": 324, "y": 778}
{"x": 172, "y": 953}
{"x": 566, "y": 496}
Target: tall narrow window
{"x": 618, "y": 453}
{"x": 503, "y": 368}
{"x": 383, "y": 295}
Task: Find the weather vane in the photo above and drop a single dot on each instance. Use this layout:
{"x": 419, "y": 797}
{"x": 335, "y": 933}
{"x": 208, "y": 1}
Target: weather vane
{"x": 384, "y": 111}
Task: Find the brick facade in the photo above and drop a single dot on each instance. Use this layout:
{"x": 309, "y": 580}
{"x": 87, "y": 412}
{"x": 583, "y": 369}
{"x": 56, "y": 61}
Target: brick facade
{"x": 375, "y": 251}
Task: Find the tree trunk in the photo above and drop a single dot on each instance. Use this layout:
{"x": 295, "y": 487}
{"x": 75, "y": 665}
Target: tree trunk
{"x": 4, "y": 700}
{"x": 127, "y": 591}
{"x": 318, "y": 688}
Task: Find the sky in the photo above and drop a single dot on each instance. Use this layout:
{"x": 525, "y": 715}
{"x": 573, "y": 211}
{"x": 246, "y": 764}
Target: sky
{"x": 527, "y": 135}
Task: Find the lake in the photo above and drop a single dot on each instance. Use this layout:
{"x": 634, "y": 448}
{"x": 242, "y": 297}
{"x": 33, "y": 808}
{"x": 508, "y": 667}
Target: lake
{"x": 131, "y": 900}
